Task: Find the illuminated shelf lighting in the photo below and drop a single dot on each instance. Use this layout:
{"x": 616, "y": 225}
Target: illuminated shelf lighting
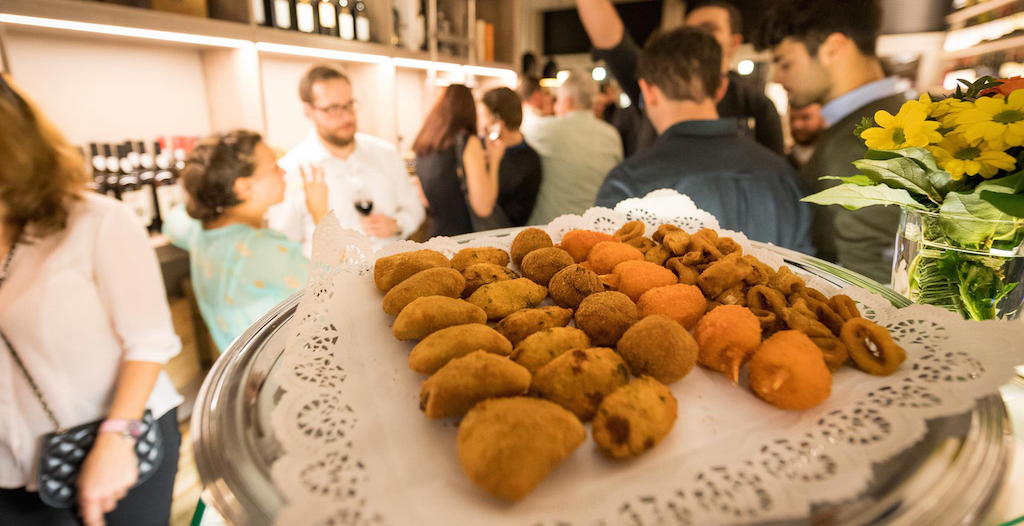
{"x": 151, "y": 34}
{"x": 483, "y": 71}
{"x": 322, "y": 53}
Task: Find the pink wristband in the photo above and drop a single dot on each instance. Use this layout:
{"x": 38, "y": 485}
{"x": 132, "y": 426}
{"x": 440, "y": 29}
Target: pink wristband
{"x": 125, "y": 428}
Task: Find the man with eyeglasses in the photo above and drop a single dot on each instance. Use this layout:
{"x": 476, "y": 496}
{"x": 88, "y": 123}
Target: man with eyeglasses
{"x": 368, "y": 186}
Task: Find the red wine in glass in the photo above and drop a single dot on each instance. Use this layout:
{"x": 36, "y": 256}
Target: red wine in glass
{"x": 364, "y": 206}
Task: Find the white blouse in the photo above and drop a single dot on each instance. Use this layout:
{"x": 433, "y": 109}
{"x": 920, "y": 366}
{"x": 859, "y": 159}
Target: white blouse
{"x": 75, "y": 305}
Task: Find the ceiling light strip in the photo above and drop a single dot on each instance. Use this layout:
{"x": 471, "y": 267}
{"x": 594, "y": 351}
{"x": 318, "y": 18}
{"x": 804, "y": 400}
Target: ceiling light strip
{"x": 151, "y": 34}
{"x": 303, "y": 51}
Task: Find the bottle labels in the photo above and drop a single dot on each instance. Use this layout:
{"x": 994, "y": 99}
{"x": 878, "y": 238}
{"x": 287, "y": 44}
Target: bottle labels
{"x": 304, "y": 16}
{"x": 258, "y": 14}
{"x": 363, "y": 28}
{"x": 170, "y": 196}
{"x": 133, "y": 158}
{"x": 282, "y": 14}
{"x": 328, "y": 17}
{"x": 126, "y": 165}
{"x": 347, "y": 26}
{"x": 146, "y": 160}
{"x": 99, "y": 163}
{"x": 112, "y": 164}
{"x": 141, "y": 203}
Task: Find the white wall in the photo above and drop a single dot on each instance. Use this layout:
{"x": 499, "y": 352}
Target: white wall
{"x": 96, "y": 91}
{"x": 412, "y": 102}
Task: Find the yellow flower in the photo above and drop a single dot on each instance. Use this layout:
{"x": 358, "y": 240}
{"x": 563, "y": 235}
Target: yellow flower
{"x": 1000, "y": 122}
{"x": 958, "y": 156}
{"x": 946, "y": 110}
{"x": 907, "y": 128}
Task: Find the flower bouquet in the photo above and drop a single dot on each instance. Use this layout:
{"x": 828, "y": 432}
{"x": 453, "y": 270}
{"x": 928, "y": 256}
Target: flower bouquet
{"x": 956, "y": 168}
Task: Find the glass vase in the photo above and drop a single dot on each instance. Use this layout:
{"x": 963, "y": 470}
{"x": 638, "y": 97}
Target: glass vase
{"x": 980, "y": 279}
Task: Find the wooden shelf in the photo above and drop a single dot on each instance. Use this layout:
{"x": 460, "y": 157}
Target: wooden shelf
{"x": 991, "y": 46}
{"x": 966, "y": 13}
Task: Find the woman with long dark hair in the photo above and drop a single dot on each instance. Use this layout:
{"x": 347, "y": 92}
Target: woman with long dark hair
{"x": 446, "y": 146}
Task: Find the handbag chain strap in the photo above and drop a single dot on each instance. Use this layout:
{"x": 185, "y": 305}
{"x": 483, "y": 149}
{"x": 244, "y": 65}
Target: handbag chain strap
{"x": 4, "y": 271}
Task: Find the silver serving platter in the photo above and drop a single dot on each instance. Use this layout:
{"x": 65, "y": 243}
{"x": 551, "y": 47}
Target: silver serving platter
{"x": 949, "y": 478}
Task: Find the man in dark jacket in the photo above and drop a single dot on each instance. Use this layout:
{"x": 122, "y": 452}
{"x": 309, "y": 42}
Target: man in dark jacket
{"x": 824, "y": 52}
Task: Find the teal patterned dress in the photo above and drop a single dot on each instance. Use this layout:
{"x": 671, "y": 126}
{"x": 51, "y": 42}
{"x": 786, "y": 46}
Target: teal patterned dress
{"x": 238, "y": 272}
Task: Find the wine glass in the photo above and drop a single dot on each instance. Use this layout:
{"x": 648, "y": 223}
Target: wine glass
{"x": 361, "y": 198}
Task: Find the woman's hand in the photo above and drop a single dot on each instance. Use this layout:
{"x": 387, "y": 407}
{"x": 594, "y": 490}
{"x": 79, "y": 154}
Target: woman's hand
{"x": 316, "y": 191}
{"x": 495, "y": 152}
{"x": 109, "y": 471}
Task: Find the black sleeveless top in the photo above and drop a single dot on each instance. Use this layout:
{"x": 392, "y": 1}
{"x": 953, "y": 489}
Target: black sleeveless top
{"x": 440, "y": 180}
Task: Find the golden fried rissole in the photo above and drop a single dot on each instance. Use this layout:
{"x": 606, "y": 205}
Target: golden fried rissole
{"x": 573, "y": 283}
{"x": 447, "y": 344}
{"x": 508, "y": 446}
{"x": 520, "y": 324}
{"x": 459, "y": 385}
{"x": 634, "y": 418}
{"x": 392, "y": 270}
{"x": 726, "y": 338}
{"x": 724, "y": 274}
{"x": 687, "y": 273}
{"x": 505, "y": 297}
{"x": 579, "y": 242}
{"x": 605, "y": 316}
{"x": 431, "y": 282}
{"x": 658, "y": 254}
{"x": 430, "y": 314}
{"x": 527, "y": 241}
{"x": 484, "y": 274}
{"x": 543, "y": 263}
{"x": 659, "y": 347}
{"x": 541, "y": 347}
{"x": 638, "y": 277}
{"x": 579, "y": 379}
{"x": 606, "y": 254}
{"x": 788, "y": 371}
{"x": 683, "y": 303}
{"x": 468, "y": 257}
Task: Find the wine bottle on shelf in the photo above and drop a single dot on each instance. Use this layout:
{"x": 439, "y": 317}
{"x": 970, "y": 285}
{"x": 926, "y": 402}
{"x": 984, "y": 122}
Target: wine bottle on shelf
{"x": 346, "y": 20}
{"x": 98, "y": 168}
{"x": 131, "y": 154}
{"x": 259, "y": 12}
{"x": 328, "y": 11}
{"x": 169, "y": 193}
{"x": 179, "y": 152}
{"x": 284, "y": 14}
{"x": 110, "y": 186}
{"x": 362, "y": 22}
{"x": 133, "y": 193}
{"x": 305, "y": 16}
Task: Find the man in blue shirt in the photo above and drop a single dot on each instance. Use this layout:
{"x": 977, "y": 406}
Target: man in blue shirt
{"x": 746, "y": 186}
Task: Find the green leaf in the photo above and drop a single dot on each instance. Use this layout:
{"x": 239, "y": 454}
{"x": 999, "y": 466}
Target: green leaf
{"x": 899, "y": 172}
{"x": 865, "y": 123}
{"x": 970, "y": 221}
{"x": 939, "y": 181}
{"x": 1009, "y": 204}
{"x": 1010, "y": 184}
{"x": 854, "y": 197}
{"x": 859, "y": 180}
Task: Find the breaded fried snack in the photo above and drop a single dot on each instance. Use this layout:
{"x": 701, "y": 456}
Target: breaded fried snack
{"x": 527, "y": 241}
{"x": 543, "y": 263}
{"x": 724, "y": 274}
{"x": 726, "y": 338}
{"x": 630, "y": 231}
{"x": 468, "y": 257}
{"x": 520, "y": 324}
{"x": 579, "y": 379}
{"x": 658, "y": 347}
{"x": 541, "y": 347}
{"x": 505, "y": 297}
{"x": 431, "y": 282}
{"x": 484, "y": 274}
{"x": 638, "y": 277}
{"x": 605, "y": 316}
{"x": 465, "y": 381}
{"x": 683, "y": 303}
{"x": 606, "y": 254}
{"x": 573, "y": 283}
{"x": 788, "y": 371}
{"x": 392, "y": 270}
{"x": 449, "y": 343}
{"x": 508, "y": 446}
{"x": 634, "y": 418}
{"x": 579, "y": 242}
{"x": 430, "y": 314}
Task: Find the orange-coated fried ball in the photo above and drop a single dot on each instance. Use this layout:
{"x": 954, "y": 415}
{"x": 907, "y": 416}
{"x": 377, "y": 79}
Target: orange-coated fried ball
{"x": 788, "y": 371}
{"x": 683, "y": 303}
{"x": 579, "y": 242}
{"x": 727, "y": 337}
{"x": 606, "y": 254}
{"x": 638, "y": 277}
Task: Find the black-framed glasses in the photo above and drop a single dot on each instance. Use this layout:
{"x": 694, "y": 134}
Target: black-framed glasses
{"x": 336, "y": 110}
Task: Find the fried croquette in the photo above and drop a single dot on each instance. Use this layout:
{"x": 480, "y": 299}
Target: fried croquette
{"x": 430, "y": 314}
{"x": 659, "y": 347}
{"x": 579, "y": 242}
{"x": 484, "y": 274}
{"x": 459, "y": 385}
{"x": 683, "y": 303}
{"x": 508, "y": 446}
{"x": 521, "y": 324}
{"x": 637, "y": 277}
{"x": 605, "y": 316}
{"x": 723, "y": 275}
{"x": 449, "y": 343}
{"x": 579, "y": 379}
{"x": 505, "y": 297}
{"x": 543, "y": 263}
{"x": 541, "y": 347}
{"x": 573, "y": 283}
{"x": 726, "y": 338}
{"x": 658, "y": 254}
{"x": 431, "y": 282}
{"x": 392, "y": 270}
{"x": 468, "y": 257}
{"x": 606, "y": 254}
{"x": 527, "y": 241}
{"x": 687, "y": 274}
{"x": 788, "y": 371}
{"x": 634, "y": 418}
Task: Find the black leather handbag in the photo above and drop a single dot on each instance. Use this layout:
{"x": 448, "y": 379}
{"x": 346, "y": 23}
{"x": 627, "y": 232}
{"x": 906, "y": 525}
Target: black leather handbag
{"x": 64, "y": 450}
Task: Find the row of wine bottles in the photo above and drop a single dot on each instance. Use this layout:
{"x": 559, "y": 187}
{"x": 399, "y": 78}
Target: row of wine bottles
{"x": 146, "y": 180}
{"x": 347, "y": 19}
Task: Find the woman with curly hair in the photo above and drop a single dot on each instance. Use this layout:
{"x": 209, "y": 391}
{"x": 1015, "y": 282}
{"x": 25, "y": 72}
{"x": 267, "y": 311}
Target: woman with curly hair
{"x": 240, "y": 270}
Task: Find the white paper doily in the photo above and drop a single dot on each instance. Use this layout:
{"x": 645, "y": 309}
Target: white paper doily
{"x": 357, "y": 450}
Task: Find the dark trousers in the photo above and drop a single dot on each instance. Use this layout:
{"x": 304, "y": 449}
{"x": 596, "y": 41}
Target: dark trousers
{"x": 146, "y": 505}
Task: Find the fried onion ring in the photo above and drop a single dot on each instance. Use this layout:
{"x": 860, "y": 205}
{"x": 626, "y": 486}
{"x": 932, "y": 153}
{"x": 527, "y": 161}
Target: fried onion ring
{"x": 834, "y": 351}
{"x": 844, "y": 306}
{"x": 871, "y": 347}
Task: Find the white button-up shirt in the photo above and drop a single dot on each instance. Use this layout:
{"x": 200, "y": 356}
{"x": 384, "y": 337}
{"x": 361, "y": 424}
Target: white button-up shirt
{"x": 374, "y": 172}
{"x": 75, "y": 306}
